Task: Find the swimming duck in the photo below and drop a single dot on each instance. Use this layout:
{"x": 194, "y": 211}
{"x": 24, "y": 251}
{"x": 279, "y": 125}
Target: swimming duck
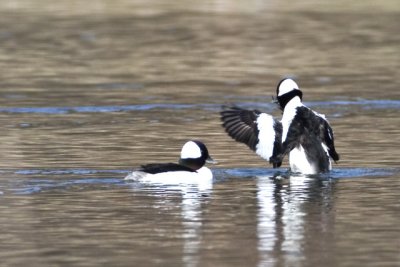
{"x": 189, "y": 169}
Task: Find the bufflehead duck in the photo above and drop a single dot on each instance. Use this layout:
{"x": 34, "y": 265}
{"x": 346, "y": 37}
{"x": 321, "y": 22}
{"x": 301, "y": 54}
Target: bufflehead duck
{"x": 302, "y": 133}
{"x": 191, "y": 169}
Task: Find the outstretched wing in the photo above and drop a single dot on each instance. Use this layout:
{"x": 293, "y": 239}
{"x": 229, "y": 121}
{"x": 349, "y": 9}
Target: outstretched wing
{"x": 259, "y": 131}
{"x": 240, "y": 124}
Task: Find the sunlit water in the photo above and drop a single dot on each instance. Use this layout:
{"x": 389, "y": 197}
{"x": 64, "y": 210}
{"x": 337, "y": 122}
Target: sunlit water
{"x": 88, "y": 93}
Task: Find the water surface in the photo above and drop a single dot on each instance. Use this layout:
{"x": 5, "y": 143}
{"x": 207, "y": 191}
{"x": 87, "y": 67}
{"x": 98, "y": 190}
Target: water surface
{"x": 90, "y": 91}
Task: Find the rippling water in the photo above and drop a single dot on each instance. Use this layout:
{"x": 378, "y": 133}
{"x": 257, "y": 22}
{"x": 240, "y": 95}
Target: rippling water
{"x": 90, "y": 91}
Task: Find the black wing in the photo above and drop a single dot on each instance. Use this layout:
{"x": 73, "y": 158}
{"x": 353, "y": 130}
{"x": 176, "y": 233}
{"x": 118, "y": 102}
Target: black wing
{"x": 246, "y": 126}
{"x": 325, "y": 134}
{"x": 163, "y": 167}
{"x": 328, "y": 139}
{"x": 240, "y": 124}
{"x": 306, "y": 126}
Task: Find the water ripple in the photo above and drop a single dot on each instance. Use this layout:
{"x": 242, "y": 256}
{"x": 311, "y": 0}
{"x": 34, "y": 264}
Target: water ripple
{"x": 67, "y": 172}
{"x": 104, "y": 109}
{"x": 365, "y": 104}
{"x": 337, "y": 173}
{"x": 36, "y": 180}
{"x": 40, "y": 185}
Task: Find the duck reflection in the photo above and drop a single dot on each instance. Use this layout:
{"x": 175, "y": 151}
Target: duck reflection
{"x": 186, "y": 202}
{"x": 192, "y": 222}
{"x": 252, "y": 221}
{"x": 294, "y": 212}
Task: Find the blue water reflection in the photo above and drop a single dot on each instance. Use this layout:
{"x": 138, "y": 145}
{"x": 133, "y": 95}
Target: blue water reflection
{"x": 267, "y": 106}
{"x": 30, "y": 181}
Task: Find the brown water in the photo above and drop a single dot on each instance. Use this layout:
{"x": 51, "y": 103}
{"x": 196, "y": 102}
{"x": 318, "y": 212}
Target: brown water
{"x": 88, "y": 91}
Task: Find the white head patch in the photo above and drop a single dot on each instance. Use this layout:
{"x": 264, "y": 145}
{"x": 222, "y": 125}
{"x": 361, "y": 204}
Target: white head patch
{"x": 190, "y": 151}
{"x": 286, "y": 86}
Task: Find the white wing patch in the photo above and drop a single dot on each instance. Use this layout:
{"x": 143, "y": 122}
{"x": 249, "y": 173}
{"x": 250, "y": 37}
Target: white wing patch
{"x": 266, "y": 136}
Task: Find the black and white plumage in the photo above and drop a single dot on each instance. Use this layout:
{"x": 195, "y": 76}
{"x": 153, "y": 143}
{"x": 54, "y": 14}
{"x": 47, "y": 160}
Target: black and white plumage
{"x": 259, "y": 131}
{"x": 190, "y": 169}
{"x": 303, "y": 134}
